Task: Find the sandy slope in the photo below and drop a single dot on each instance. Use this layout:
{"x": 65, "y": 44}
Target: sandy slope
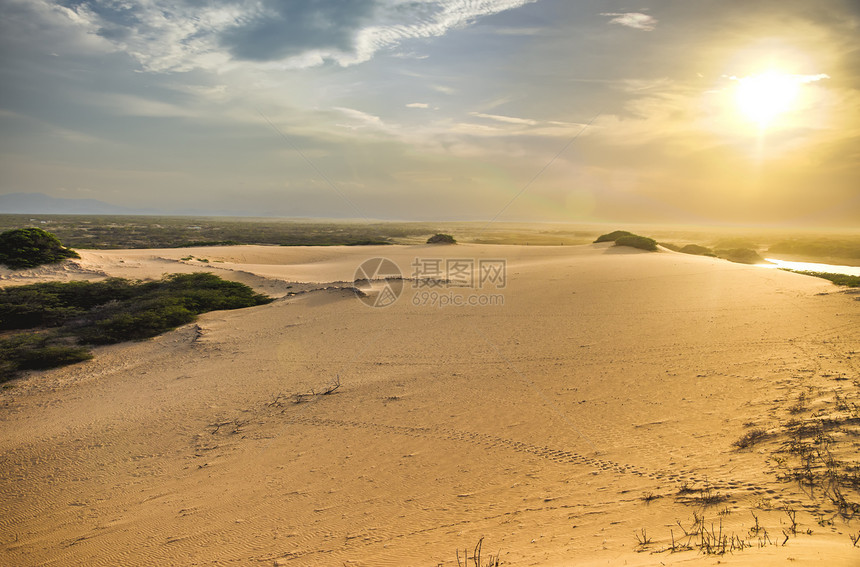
{"x": 540, "y": 424}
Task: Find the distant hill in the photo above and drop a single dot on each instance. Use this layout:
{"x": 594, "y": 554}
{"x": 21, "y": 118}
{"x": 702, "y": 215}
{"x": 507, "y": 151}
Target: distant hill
{"x": 39, "y": 203}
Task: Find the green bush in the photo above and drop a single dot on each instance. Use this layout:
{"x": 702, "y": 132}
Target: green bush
{"x": 52, "y": 304}
{"x": 820, "y": 247}
{"x": 613, "y": 236}
{"x": 106, "y": 312}
{"x": 49, "y": 356}
{"x": 32, "y": 351}
{"x": 838, "y": 279}
{"x": 636, "y": 241}
{"x": 697, "y": 250}
{"x": 30, "y": 247}
{"x": 149, "y": 319}
{"x": 441, "y": 239}
{"x": 740, "y": 255}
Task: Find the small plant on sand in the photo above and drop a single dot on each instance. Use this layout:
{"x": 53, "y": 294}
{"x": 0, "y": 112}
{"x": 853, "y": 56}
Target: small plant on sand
{"x": 801, "y": 404}
{"x": 708, "y": 496}
{"x": 750, "y": 438}
{"x": 475, "y": 559}
{"x": 710, "y": 538}
{"x": 642, "y": 539}
{"x": 792, "y": 518}
{"x": 302, "y": 397}
{"x": 704, "y": 496}
{"x": 648, "y": 497}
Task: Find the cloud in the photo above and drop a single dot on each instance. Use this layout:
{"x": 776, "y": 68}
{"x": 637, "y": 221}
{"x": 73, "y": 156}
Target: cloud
{"x": 811, "y": 78}
{"x": 183, "y": 35}
{"x": 443, "y": 89}
{"x": 635, "y": 20}
{"x": 802, "y": 79}
{"x": 417, "y": 105}
{"x": 506, "y": 119}
{"x": 275, "y": 31}
{"x": 361, "y": 120}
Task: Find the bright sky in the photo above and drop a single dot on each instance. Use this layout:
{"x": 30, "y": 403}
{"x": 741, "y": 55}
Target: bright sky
{"x": 694, "y": 111}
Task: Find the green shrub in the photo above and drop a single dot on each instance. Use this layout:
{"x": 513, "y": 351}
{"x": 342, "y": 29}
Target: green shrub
{"x": 821, "y": 247}
{"x": 146, "y": 320}
{"x": 636, "y": 241}
{"x": 740, "y": 255}
{"x": 46, "y": 357}
{"x": 105, "y": 312}
{"x": 30, "y": 247}
{"x": 34, "y": 351}
{"x": 613, "y": 236}
{"x": 838, "y": 279}
{"x": 52, "y": 304}
{"x": 441, "y": 239}
{"x": 697, "y": 250}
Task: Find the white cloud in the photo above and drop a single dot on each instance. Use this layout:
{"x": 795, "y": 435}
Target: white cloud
{"x": 417, "y": 105}
{"x": 803, "y": 79}
{"x": 811, "y": 78}
{"x": 639, "y": 85}
{"x": 361, "y": 120}
{"x": 635, "y": 20}
{"x": 506, "y": 119}
{"x": 443, "y": 89}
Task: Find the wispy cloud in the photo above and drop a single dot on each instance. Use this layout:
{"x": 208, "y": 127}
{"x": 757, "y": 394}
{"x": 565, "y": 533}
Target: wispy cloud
{"x": 803, "y": 79}
{"x": 417, "y": 105}
{"x": 635, "y": 20}
{"x": 443, "y": 89}
{"x": 506, "y": 119}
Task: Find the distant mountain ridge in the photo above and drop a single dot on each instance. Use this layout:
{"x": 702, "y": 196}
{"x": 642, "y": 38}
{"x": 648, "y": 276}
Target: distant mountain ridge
{"x": 39, "y": 203}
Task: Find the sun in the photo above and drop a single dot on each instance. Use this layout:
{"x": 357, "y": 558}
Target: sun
{"x": 763, "y": 97}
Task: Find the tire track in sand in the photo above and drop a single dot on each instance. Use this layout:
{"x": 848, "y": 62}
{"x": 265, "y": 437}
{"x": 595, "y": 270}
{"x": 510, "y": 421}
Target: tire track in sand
{"x": 555, "y": 455}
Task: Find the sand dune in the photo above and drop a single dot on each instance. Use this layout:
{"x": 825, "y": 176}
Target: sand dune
{"x": 541, "y": 424}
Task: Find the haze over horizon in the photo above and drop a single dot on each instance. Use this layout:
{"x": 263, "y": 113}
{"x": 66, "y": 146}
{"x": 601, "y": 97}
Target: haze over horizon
{"x": 698, "y": 112}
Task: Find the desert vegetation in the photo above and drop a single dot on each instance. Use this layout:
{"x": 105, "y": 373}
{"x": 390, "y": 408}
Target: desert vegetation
{"x": 838, "y": 279}
{"x": 636, "y": 241}
{"x": 30, "y": 247}
{"x": 819, "y": 247}
{"x": 697, "y": 250}
{"x": 612, "y": 236}
{"x": 61, "y": 319}
{"x": 739, "y": 255}
{"x": 118, "y": 232}
{"x": 625, "y": 238}
{"x": 440, "y": 238}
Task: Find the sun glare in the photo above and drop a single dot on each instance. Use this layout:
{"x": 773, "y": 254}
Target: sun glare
{"x": 763, "y": 97}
